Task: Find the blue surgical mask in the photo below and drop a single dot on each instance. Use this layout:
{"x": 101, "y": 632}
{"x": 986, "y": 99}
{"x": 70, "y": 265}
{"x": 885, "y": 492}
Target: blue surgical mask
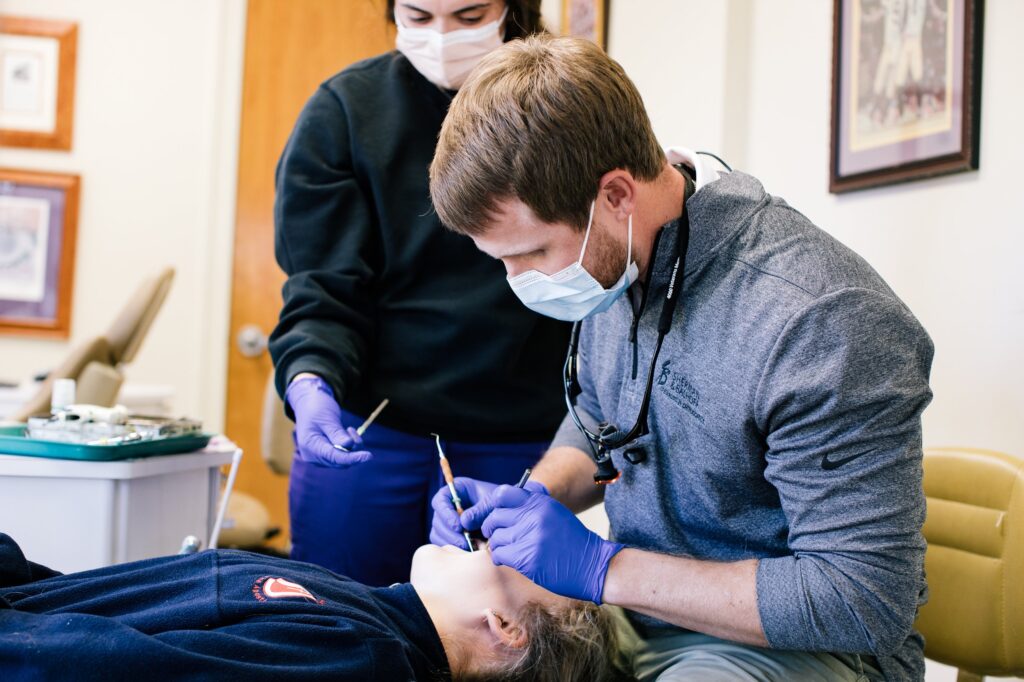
{"x": 572, "y": 293}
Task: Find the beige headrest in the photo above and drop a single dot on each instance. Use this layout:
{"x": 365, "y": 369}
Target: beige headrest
{"x": 129, "y": 328}
{"x": 94, "y": 350}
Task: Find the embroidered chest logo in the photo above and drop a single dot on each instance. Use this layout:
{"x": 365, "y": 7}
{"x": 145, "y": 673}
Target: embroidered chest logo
{"x": 268, "y": 587}
{"x": 679, "y": 390}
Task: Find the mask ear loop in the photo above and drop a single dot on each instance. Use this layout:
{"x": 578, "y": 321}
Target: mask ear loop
{"x": 629, "y": 242}
{"x": 586, "y": 237}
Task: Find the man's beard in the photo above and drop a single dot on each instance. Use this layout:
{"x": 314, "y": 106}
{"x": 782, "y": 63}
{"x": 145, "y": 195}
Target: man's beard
{"x": 605, "y": 258}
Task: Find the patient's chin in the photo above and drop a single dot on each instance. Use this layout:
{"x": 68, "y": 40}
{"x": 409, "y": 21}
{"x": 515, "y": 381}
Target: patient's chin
{"x": 431, "y": 560}
{"x": 425, "y": 560}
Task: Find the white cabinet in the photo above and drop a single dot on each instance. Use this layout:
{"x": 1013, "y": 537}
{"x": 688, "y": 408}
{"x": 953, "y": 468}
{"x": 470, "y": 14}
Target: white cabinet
{"x": 73, "y": 516}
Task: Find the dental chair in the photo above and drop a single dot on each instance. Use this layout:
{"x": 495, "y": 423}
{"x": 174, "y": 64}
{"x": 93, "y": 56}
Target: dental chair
{"x": 276, "y": 443}
{"x": 96, "y": 364}
{"x": 974, "y": 618}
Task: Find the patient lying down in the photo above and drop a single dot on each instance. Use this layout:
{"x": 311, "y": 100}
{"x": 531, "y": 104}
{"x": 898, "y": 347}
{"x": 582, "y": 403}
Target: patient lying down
{"x": 235, "y": 615}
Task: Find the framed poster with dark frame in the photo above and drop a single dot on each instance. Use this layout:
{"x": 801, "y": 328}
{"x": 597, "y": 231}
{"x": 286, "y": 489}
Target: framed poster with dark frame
{"x": 37, "y": 82}
{"x": 38, "y": 224}
{"x": 906, "y": 90}
{"x": 586, "y": 19}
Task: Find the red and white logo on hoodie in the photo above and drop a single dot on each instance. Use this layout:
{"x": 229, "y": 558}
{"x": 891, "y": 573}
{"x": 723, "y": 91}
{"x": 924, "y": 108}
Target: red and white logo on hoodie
{"x": 269, "y": 587}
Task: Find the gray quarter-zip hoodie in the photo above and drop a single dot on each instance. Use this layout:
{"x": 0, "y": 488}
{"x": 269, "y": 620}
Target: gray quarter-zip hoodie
{"x": 785, "y": 424}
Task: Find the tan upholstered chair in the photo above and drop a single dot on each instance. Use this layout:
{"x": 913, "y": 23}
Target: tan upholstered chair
{"x": 974, "y": 618}
{"x": 94, "y": 365}
{"x": 96, "y": 386}
{"x": 276, "y": 444}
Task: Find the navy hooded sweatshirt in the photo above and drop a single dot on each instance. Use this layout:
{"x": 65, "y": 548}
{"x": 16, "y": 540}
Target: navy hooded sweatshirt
{"x": 216, "y": 615}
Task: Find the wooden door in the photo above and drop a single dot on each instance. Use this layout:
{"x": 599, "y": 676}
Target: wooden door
{"x": 291, "y": 47}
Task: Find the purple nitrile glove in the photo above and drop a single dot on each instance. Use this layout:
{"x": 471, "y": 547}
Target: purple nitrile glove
{"x": 318, "y": 426}
{"x": 538, "y": 536}
{"x": 446, "y": 528}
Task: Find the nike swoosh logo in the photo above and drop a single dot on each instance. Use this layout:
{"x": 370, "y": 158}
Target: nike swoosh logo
{"x": 830, "y": 464}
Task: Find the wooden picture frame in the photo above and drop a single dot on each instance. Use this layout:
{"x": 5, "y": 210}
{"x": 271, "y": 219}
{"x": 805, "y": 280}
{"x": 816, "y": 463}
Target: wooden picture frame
{"x": 37, "y": 82}
{"x": 906, "y": 91}
{"x": 38, "y": 230}
{"x": 586, "y": 19}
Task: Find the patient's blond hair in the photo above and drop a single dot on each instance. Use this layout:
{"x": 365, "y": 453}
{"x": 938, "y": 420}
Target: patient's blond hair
{"x": 540, "y": 119}
{"x": 574, "y": 643}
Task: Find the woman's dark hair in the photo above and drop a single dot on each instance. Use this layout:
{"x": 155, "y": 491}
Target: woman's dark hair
{"x": 523, "y": 18}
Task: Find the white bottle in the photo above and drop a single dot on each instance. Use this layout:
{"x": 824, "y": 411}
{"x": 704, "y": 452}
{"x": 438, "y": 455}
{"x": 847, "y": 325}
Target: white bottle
{"x": 63, "y": 394}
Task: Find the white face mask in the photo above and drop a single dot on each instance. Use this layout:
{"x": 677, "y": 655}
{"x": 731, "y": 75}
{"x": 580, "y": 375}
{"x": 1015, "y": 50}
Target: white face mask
{"x": 572, "y": 293}
{"x": 447, "y": 58}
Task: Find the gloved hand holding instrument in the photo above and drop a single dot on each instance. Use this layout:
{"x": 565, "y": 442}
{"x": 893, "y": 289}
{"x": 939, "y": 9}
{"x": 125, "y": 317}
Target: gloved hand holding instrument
{"x": 538, "y": 536}
{"x": 446, "y": 528}
{"x": 320, "y": 436}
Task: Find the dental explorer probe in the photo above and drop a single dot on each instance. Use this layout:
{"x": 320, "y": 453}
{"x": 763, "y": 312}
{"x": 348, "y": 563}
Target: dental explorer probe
{"x": 366, "y": 424}
{"x": 525, "y": 478}
{"x": 450, "y": 480}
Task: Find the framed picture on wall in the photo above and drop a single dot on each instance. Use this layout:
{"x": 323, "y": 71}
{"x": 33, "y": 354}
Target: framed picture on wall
{"x": 906, "y": 90}
{"x": 37, "y": 82}
{"x": 586, "y": 19}
{"x": 38, "y": 221}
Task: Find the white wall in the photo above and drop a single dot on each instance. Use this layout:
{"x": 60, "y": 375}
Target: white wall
{"x": 155, "y": 141}
{"x": 952, "y": 248}
{"x": 672, "y": 50}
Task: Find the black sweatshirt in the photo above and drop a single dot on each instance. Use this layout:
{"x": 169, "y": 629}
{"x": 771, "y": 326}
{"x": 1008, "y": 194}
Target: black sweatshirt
{"x": 381, "y": 300}
{"x": 216, "y": 615}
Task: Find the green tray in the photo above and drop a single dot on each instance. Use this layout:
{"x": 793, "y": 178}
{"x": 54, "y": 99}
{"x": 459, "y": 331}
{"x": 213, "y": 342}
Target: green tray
{"x": 14, "y": 442}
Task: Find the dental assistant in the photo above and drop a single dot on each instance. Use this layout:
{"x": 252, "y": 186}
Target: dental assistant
{"x": 382, "y": 302}
{"x": 757, "y": 386}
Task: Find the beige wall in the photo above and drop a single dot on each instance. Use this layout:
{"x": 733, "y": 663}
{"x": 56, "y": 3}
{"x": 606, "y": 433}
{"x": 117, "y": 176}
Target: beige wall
{"x": 156, "y": 129}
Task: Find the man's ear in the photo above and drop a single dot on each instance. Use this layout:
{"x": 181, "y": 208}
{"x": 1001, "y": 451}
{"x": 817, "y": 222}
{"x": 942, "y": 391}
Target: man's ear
{"x": 618, "y": 191}
{"x": 505, "y": 630}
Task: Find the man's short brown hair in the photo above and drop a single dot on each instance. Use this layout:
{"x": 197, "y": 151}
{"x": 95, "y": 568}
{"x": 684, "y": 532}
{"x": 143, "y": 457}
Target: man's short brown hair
{"x": 540, "y": 119}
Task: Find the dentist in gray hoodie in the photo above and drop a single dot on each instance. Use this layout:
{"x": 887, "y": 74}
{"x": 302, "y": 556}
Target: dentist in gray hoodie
{"x": 749, "y": 389}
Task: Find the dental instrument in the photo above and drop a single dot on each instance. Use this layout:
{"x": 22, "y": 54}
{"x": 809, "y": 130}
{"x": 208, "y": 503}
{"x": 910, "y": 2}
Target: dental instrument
{"x": 366, "y": 424}
{"x": 525, "y": 477}
{"x": 450, "y": 480}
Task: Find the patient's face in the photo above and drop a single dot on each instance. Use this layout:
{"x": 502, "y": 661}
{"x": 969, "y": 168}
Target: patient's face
{"x": 470, "y": 583}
